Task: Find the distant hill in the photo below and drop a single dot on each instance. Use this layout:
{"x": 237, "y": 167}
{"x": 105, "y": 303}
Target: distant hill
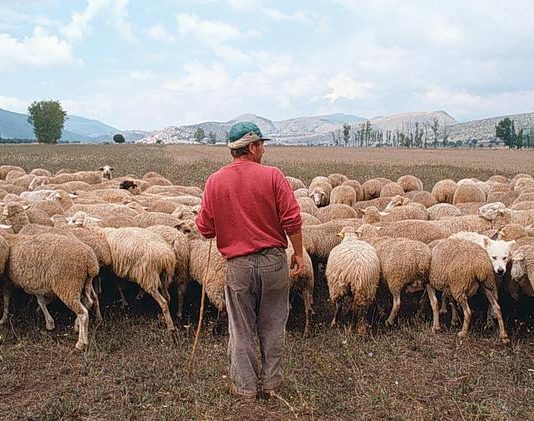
{"x": 15, "y": 125}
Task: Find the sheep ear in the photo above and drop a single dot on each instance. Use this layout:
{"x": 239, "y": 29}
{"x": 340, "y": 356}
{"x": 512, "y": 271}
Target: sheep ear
{"x": 73, "y": 195}
{"x": 26, "y": 207}
{"x": 496, "y": 234}
{"x": 340, "y": 235}
{"x": 111, "y": 169}
{"x": 101, "y": 169}
{"x": 486, "y": 241}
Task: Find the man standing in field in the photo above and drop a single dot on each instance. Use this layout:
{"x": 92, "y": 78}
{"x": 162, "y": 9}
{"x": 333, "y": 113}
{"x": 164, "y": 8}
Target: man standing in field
{"x": 251, "y": 208}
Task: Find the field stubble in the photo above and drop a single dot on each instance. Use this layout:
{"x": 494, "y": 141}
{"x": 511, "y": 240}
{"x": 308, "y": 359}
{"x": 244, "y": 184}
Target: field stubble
{"x": 133, "y": 371}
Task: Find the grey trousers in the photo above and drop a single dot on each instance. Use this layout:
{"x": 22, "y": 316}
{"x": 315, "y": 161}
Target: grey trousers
{"x": 257, "y": 300}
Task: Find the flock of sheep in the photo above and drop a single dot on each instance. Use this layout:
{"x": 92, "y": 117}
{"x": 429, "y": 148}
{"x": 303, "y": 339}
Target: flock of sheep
{"x": 59, "y": 231}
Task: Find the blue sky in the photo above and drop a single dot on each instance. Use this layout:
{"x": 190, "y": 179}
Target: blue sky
{"x": 143, "y": 64}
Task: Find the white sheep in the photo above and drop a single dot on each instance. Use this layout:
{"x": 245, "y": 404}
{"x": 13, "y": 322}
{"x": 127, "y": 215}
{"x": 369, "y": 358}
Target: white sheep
{"x": 352, "y": 268}
{"x": 343, "y": 194}
{"x": 443, "y": 191}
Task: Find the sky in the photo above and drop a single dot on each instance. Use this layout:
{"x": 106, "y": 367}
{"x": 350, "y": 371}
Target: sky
{"x": 145, "y": 64}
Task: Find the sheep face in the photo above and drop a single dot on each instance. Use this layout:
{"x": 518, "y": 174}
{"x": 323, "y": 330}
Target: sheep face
{"x": 318, "y": 197}
{"x": 106, "y": 171}
{"x": 499, "y": 252}
{"x": 492, "y": 211}
{"x": 130, "y": 186}
{"x": 518, "y": 265}
{"x": 11, "y": 209}
{"x": 188, "y": 228}
{"x": 396, "y": 201}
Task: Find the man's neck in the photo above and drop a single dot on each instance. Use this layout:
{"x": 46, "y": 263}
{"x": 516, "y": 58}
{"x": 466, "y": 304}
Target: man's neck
{"x": 244, "y": 158}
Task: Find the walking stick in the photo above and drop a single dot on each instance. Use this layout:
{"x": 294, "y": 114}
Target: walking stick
{"x": 201, "y": 315}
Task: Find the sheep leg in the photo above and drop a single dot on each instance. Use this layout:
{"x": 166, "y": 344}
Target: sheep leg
{"x": 307, "y": 296}
{"x": 337, "y": 313}
{"x": 180, "y": 295}
{"x": 164, "y": 308}
{"x": 467, "y": 317}
{"x": 497, "y": 310}
{"x": 49, "y": 320}
{"x": 83, "y": 321}
{"x": 435, "y": 311}
{"x": 7, "y": 299}
{"x": 444, "y": 300}
{"x": 123, "y": 301}
{"x": 395, "y": 309}
{"x": 96, "y": 301}
{"x": 455, "y": 319}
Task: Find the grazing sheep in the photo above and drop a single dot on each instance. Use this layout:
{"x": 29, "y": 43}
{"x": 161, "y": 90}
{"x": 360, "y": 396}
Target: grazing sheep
{"x": 443, "y": 191}
{"x": 295, "y": 183}
{"x": 6, "y": 169}
{"x": 39, "y": 265}
{"x": 308, "y": 219}
{"x": 156, "y": 218}
{"x": 422, "y": 197}
{"x": 41, "y": 172}
{"x": 499, "y": 178}
{"x": 469, "y": 208}
{"x": 442, "y": 210}
{"x": 343, "y": 195}
{"x": 103, "y": 211}
{"x": 143, "y": 257}
{"x": 175, "y": 190}
{"x": 352, "y": 267}
{"x": 410, "y": 183}
{"x": 499, "y": 215}
{"x": 370, "y": 215}
{"x": 424, "y": 231}
{"x": 15, "y": 216}
{"x": 459, "y": 268}
{"x": 131, "y": 186}
{"x": 380, "y": 203}
{"x": 405, "y": 264}
{"x": 468, "y": 192}
{"x": 355, "y": 184}
{"x": 335, "y": 211}
{"x": 391, "y": 189}
{"x": 307, "y": 205}
{"x": 337, "y": 179}
{"x": 371, "y": 188}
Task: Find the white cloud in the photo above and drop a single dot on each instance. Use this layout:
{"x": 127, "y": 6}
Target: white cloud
{"x": 245, "y": 5}
{"x": 158, "y": 32}
{"x": 14, "y": 104}
{"x": 199, "y": 78}
{"x": 344, "y": 86}
{"x": 40, "y": 50}
{"x": 210, "y": 31}
{"x": 80, "y": 24}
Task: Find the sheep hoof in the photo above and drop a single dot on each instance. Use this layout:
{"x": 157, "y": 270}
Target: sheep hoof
{"x": 50, "y": 326}
{"x": 80, "y": 346}
{"x": 505, "y": 340}
{"x": 436, "y": 330}
{"x": 462, "y": 334}
{"x": 389, "y": 323}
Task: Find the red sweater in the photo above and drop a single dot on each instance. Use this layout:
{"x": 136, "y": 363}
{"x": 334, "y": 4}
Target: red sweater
{"x": 249, "y": 207}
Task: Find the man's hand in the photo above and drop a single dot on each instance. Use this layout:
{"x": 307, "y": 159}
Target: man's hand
{"x": 297, "y": 262}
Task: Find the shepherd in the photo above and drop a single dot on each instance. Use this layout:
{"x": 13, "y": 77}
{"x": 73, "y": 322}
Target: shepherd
{"x": 251, "y": 210}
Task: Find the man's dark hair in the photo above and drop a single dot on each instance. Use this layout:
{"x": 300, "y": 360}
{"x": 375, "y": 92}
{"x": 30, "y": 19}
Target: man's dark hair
{"x": 242, "y": 151}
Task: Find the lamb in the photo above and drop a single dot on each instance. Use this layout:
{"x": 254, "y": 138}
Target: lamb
{"x": 371, "y": 188}
{"x": 103, "y": 211}
{"x": 295, "y": 183}
{"x": 422, "y": 197}
{"x": 308, "y": 219}
{"x": 443, "y": 191}
{"x": 391, "y": 189}
{"x": 353, "y": 267}
{"x": 39, "y": 265}
{"x": 343, "y": 195}
{"x": 355, "y": 184}
{"x": 337, "y": 179}
{"x": 380, "y": 203}
{"x": 335, "y": 211}
{"x": 89, "y": 177}
{"x": 143, "y": 257}
{"x": 459, "y": 268}
{"x": 404, "y": 263}
{"x": 410, "y": 183}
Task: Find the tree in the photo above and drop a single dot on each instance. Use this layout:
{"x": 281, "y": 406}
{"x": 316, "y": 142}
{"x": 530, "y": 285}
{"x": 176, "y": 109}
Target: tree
{"x": 505, "y": 131}
{"x": 520, "y": 139}
{"x": 435, "y": 130}
{"x": 118, "y": 138}
{"x": 346, "y": 134}
{"x": 212, "y": 138}
{"x": 199, "y": 134}
{"x": 47, "y": 119}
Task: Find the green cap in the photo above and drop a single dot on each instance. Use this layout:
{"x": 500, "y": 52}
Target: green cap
{"x": 243, "y": 128}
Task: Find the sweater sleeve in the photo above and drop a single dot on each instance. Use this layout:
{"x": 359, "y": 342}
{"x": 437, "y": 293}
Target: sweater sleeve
{"x": 204, "y": 220}
{"x": 287, "y": 206}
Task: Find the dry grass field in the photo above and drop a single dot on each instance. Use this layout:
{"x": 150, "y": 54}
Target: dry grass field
{"x": 133, "y": 371}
